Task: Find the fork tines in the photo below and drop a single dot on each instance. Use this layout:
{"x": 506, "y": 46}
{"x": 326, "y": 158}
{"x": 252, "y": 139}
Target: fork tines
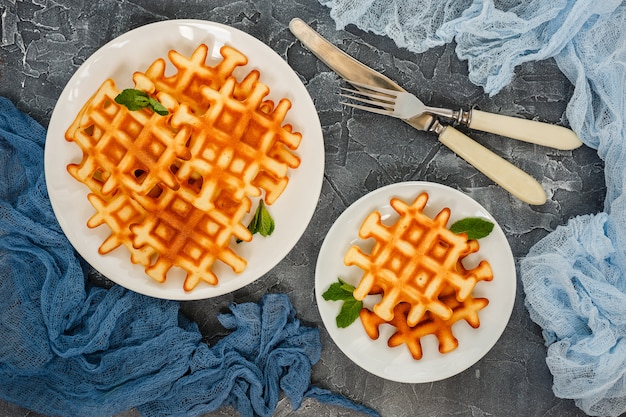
{"x": 381, "y": 98}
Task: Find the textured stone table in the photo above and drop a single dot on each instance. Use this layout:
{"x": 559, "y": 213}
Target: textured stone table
{"x": 43, "y": 43}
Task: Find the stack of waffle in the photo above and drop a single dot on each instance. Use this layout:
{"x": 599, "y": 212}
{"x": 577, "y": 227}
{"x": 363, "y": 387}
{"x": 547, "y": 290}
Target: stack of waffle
{"x": 174, "y": 189}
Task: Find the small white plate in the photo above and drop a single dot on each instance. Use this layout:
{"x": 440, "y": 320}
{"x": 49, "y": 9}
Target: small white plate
{"x": 396, "y": 363}
{"x": 134, "y": 51}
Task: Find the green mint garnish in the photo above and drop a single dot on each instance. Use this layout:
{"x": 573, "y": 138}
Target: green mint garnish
{"x": 342, "y": 291}
{"x": 349, "y": 313}
{"x": 475, "y": 227}
{"x": 157, "y": 107}
{"x": 137, "y": 100}
{"x": 262, "y": 221}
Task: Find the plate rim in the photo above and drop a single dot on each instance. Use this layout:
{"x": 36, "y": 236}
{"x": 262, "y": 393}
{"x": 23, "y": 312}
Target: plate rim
{"x": 296, "y": 89}
{"x": 329, "y": 321}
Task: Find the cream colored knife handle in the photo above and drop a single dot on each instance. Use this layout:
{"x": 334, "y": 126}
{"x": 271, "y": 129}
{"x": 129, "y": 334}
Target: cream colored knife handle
{"x": 502, "y": 172}
{"x": 540, "y": 133}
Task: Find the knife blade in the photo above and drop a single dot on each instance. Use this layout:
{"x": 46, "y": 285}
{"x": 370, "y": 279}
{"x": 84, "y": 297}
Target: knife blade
{"x": 347, "y": 67}
{"x": 502, "y": 172}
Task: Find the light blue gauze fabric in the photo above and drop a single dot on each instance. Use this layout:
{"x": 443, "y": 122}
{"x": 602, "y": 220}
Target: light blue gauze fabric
{"x": 71, "y": 349}
{"x": 575, "y": 278}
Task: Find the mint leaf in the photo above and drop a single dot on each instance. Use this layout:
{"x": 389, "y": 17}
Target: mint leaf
{"x": 347, "y": 288}
{"x": 262, "y": 221}
{"x": 132, "y": 99}
{"x": 253, "y": 227}
{"x": 475, "y": 227}
{"x": 349, "y": 313}
{"x": 338, "y": 292}
{"x": 265, "y": 225}
{"x": 157, "y": 107}
{"x": 137, "y": 100}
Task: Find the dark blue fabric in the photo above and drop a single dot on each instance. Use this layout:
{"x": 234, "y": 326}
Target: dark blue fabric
{"x": 71, "y": 349}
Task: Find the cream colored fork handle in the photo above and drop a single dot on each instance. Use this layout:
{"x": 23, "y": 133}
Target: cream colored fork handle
{"x": 502, "y": 172}
{"x": 540, "y": 133}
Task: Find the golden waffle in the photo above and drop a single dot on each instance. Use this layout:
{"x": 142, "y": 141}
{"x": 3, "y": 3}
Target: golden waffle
{"x": 174, "y": 189}
{"x": 189, "y": 238}
{"x": 118, "y": 213}
{"x": 233, "y": 141}
{"x": 135, "y": 149}
{"x": 191, "y": 75}
{"x": 430, "y": 324}
{"x": 238, "y": 141}
{"x": 413, "y": 261}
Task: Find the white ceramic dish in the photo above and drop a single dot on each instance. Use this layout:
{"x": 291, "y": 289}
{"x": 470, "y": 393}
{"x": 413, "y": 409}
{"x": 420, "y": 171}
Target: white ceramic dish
{"x": 136, "y": 50}
{"x": 396, "y": 363}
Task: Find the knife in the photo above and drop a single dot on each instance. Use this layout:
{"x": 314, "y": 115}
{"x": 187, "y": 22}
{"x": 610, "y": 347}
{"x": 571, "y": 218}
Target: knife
{"x": 502, "y": 172}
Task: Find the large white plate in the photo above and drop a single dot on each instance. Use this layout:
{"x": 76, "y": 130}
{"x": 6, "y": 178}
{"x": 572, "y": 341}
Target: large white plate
{"x": 396, "y": 363}
{"x": 136, "y": 50}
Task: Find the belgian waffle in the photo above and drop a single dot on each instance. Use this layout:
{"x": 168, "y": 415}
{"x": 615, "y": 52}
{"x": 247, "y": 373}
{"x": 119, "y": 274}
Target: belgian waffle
{"x": 135, "y": 149}
{"x": 174, "y": 189}
{"x": 430, "y": 324}
{"x": 413, "y": 261}
{"x": 192, "y": 74}
{"x": 232, "y": 142}
{"x": 118, "y": 213}
{"x": 189, "y": 238}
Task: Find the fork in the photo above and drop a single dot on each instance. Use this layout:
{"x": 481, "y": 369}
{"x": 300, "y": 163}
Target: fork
{"x": 407, "y": 106}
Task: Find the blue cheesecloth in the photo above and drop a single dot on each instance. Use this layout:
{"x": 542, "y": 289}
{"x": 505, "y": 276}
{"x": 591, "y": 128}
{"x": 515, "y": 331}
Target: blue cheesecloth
{"x": 575, "y": 278}
{"x": 68, "y": 348}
